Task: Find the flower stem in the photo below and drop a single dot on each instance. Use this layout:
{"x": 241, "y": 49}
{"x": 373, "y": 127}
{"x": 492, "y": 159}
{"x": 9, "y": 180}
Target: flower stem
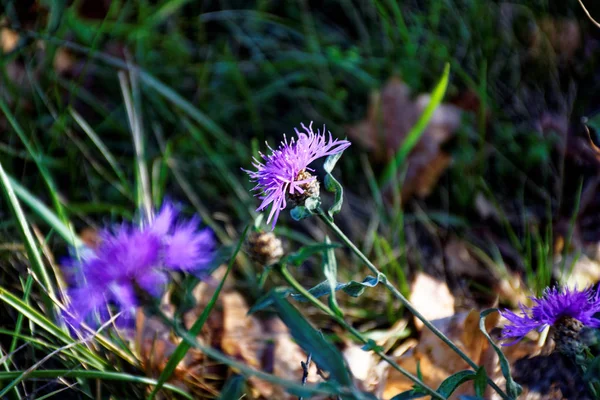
{"x": 285, "y": 273}
{"x": 396, "y": 293}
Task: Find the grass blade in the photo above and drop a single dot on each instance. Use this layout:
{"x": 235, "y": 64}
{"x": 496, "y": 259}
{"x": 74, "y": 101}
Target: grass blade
{"x": 86, "y": 356}
{"x": 45, "y": 213}
{"x": 33, "y": 253}
{"x": 184, "y": 346}
{"x": 418, "y": 129}
{"x": 89, "y": 374}
{"x": 110, "y": 158}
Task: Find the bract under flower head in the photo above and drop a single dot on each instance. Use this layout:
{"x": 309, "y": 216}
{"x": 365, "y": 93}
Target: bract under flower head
{"x": 554, "y": 305}
{"x": 133, "y": 258}
{"x": 277, "y": 175}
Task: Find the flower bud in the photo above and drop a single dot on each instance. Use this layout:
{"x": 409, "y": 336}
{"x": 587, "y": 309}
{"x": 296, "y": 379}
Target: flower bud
{"x": 264, "y": 248}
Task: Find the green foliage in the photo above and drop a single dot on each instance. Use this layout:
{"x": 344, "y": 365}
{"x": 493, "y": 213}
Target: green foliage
{"x": 324, "y": 354}
{"x": 513, "y": 389}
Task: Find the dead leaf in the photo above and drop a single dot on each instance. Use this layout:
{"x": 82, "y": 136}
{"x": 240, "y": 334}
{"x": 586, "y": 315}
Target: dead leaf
{"x": 391, "y": 115}
{"x": 437, "y": 361}
{"x": 431, "y": 297}
{"x": 8, "y": 40}
{"x": 63, "y": 61}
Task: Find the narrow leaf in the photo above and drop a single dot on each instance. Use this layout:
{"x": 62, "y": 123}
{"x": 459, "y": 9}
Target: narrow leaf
{"x": 232, "y": 389}
{"x": 325, "y": 354}
{"x": 184, "y": 346}
{"x": 330, "y": 271}
{"x": 450, "y": 384}
{"x": 418, "y": 129}
{"x": 513, "y": 389}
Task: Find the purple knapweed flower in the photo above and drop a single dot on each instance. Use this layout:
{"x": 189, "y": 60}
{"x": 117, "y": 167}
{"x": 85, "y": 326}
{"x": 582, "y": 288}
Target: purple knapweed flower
{"x": 132, "y": 259}
{"x": 554, "y": 306}
{"x": 283, "y": 171}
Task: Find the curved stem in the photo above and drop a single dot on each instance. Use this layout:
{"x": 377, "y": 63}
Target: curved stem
{"x": 285, "y": 273}
{"x": 396, "y": 293}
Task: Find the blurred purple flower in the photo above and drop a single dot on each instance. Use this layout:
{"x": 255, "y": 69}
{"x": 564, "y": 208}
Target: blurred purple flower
{"x": 134, "y": 258}
{"x": 277, "y": 176}
{"x": 551, "y": 308}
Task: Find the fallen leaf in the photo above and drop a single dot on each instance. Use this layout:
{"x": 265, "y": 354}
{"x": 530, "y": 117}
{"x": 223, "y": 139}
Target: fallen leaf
{"x": 391, "y": 115}
{"x": 431, "y": 297}
{"x": 8, "y": 40}
{"x": 437, "y": 361}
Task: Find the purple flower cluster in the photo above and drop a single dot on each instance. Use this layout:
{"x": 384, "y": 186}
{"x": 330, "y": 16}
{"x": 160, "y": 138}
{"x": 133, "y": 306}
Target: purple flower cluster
{"x": 132, "y": 258}
{"x": 548, "y": 310}
{"x": 277, "y": 175}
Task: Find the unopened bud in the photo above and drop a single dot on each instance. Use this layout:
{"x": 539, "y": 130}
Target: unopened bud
{"x": 264, "y": 248}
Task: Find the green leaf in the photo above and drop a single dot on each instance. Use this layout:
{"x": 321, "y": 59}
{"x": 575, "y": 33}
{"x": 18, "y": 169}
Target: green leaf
{"x": 330, "y": 162}
{"x": 332, "y": 184}
{"x": 409, "y": 395}
{"x": 480, "y": 382}
{"x": 298, "y": 257}
{"x": 330, "y": 271}
{"x": 266, "y": 300}
{"x": 450, "y": 384}
{"x": 324, "y": 354}
{"x": 233, "y": 388}
{"x": 183, "y": 346}
{"x": 351, "y": 288}
{"x": 513, "y": 389}
{"x": 299, "y": 213}
{"x": 418, "y": 129}
{"x": 371, "y": 345}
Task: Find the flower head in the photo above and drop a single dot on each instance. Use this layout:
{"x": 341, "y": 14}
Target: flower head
{"x": 281, "y": 173}
{"x": 131, "y": 259}
{"x": 555, "y": 306}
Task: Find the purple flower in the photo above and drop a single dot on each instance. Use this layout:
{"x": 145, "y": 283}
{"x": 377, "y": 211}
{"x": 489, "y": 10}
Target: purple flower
{"x": 277, "y": 175}
{"x": 551, "y": 308}
{"x": 136, "y": 258}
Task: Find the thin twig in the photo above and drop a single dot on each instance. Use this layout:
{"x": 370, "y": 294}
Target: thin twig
{"x": 305, "y": 367}
{"x": 588, "y": 14}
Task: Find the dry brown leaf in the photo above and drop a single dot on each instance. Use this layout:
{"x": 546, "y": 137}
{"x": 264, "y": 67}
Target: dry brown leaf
{"x": 63, "y": 60}
{"x": 391, "y": 115}
{"x": 577, "y": 270}
{"x": 431, "y": 297}
{"x": 8, "y": 40}
{"x": 437, "y": 361}
{"x": 563, "y": 34}
{"x": 264, "y": 345}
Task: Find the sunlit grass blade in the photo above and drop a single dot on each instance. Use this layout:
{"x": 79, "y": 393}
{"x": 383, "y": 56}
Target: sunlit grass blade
{"x": 144, "y": 193}
{"x": 33, "y": 253}
{"x": 45, "y": 213}
{"x": 83, "y": 354}
{"x": 35, "y": 154}
{"x": 91, "y": 374}
{"x": 26, "y": 291}
{"x": 110, "y": 158}
{"x": 416, "y": 132}
{"x": 183, "y": 346}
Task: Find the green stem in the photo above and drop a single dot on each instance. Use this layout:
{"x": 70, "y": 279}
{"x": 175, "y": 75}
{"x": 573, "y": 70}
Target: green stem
{"x": 383, "y": 279}
{"x": 285, "y": 273}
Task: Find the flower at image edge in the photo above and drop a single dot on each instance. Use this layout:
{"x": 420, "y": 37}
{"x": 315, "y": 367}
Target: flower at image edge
{"x": 552, "y": 307}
